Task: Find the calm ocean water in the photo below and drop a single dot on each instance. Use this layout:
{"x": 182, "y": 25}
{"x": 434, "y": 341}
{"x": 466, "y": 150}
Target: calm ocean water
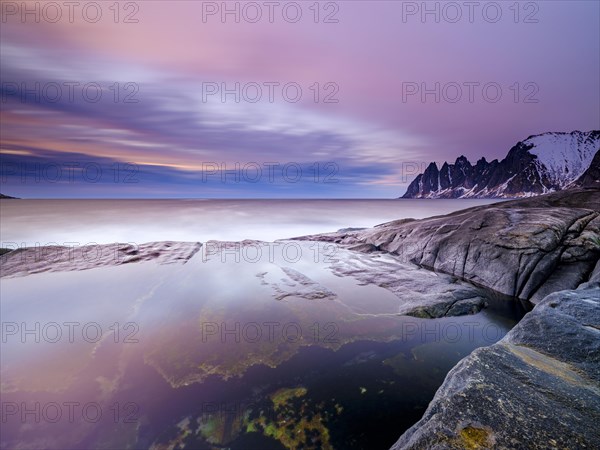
{"x": 104, "y": 221}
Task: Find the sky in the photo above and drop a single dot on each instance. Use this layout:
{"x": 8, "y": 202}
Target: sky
{"x": 349, "y": 99}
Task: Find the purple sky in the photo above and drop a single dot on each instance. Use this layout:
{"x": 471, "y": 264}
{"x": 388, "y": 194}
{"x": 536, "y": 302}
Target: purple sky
{"x": 368, "y": 144}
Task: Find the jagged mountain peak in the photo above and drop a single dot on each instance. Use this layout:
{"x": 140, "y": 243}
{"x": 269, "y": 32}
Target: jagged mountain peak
{"x": 564, "y": 156}
{"x": 542, "y": 163}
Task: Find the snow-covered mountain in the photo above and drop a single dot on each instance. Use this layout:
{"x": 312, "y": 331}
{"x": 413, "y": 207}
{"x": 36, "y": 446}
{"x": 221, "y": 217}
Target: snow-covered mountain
{"x": 538, "y": 165}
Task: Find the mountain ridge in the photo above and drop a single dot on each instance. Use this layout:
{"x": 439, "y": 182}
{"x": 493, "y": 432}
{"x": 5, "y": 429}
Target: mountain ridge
{"x": 540, "y": 164}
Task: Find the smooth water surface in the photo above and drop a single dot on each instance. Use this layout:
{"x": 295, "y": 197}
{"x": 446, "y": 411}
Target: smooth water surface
{"x": 265, "y": 352}
{"x": 104, "y": 221}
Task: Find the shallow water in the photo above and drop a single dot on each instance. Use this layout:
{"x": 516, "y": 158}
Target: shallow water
{"x": 269, "y": 352}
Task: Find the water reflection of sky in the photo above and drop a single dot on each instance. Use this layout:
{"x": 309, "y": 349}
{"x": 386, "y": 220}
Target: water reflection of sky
{"x": 170, "y": 306}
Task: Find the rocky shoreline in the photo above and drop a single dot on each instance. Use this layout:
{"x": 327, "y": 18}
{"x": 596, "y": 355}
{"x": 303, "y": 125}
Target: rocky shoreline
{"x": 525, "y": 249}
{"x": 539, "y": 387}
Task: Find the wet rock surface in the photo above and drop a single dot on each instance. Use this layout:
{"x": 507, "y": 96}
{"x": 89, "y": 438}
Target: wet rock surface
{"x": 538, "y": 388}
{"x": 31, "y": 260}
{"x": 524, "y": 248}
{"x": 421, "y": 293}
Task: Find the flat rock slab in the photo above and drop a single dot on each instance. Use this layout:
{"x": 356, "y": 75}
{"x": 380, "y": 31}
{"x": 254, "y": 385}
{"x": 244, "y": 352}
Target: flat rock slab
{"x": 30, "y": 260}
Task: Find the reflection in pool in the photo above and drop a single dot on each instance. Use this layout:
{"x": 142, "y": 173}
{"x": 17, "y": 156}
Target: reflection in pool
{"x": 231, "y": 350}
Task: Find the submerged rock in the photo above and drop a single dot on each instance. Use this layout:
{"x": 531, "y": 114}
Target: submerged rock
{"x": 421, "y": 293}
{"x": 297, "y": 285}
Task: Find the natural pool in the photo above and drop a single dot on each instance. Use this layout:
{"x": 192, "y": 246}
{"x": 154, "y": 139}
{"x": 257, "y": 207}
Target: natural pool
{"x": 232, "y": 350}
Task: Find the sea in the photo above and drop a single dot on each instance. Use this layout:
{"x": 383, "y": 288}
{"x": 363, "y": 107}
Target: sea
{"x": 106, "y": 221}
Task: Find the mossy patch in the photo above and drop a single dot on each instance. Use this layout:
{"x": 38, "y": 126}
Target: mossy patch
{"x": 473, "y": 438}
{"x": 282, "y": 396}
{"x": 296, "y": 422}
